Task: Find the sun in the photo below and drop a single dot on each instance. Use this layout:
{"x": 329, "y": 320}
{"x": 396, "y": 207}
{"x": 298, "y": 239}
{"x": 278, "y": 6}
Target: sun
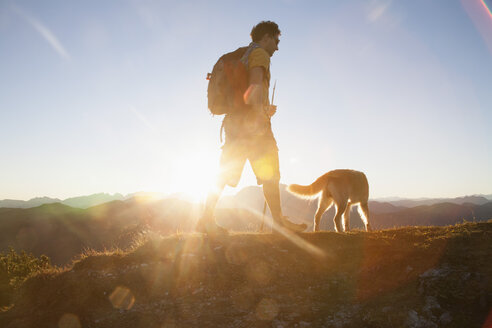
{"x": 195, "y": 175}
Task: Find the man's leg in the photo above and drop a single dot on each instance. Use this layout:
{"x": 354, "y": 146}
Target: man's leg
{"x": 231, "y": 166}
{"x": 212, "y": 199}
{"x": 271, "y": 190}
{"x": 207, "y": 222}
{"x": 265, "y": 164}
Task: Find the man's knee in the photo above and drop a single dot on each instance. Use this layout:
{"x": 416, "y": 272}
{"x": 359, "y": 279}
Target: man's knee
{"x": 266, "y": 171}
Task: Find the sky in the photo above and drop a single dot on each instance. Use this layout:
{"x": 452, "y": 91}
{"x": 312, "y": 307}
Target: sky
{"x": 110, "y": 96}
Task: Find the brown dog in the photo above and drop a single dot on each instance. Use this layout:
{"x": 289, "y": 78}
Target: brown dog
{"x": 342, "y": 187}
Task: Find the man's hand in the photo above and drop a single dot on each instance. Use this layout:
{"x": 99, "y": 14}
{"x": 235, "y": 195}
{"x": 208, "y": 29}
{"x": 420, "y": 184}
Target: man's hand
{"x": 270, "y": 110}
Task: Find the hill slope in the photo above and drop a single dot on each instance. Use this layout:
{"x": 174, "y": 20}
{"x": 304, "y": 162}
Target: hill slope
{"x": 408, "y": 277}
{"x": 61, "y": 231}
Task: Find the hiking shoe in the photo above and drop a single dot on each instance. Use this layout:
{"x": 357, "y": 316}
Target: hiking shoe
{"x": 294, "y": 227}
{"x": 210, "y": 228}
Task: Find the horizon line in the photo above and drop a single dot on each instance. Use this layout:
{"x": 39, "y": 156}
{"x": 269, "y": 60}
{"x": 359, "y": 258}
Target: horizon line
{"x": 163, "y": 195}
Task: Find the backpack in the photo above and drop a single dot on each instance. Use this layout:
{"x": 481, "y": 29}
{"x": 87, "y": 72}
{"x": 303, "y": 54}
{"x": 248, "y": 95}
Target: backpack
{"x": 229, "y": 81}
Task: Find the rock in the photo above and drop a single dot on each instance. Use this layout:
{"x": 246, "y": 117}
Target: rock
{"x": 386, "y": 309}
{"x": 445, "y": 318}
{"x": 431, "y": 304}
{"x": 414, "y": 320}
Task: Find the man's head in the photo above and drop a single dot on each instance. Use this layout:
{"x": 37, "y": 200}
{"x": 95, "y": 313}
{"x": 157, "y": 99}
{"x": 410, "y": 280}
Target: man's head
{"x": 266, "y": 34}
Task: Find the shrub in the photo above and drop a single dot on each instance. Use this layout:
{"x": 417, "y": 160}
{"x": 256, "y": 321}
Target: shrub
{"x": 15, "y": 268}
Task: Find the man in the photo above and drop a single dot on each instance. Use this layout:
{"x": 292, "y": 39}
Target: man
{"x": 249, "y": 135}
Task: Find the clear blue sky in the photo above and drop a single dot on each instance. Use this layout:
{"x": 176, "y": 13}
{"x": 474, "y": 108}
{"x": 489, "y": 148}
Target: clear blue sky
{"x": 110, "y": 96}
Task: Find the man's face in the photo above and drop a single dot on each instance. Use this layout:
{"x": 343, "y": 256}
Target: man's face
{"x": 272, "y": 43}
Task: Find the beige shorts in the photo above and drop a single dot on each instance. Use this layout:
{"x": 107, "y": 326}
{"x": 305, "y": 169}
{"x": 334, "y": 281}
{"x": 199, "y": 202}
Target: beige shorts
{"x": 262, "y": 153}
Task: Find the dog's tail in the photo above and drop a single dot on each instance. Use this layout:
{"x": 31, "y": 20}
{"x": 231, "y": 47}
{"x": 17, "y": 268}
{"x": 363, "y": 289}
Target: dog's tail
{"x": 311, "y": 190}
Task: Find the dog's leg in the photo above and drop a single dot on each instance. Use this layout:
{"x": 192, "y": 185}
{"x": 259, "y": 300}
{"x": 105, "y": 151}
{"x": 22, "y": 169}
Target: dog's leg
{"x": 338, "y": 216}
{"x": 324, "y": 203}
{"x": 346, "y": 217}
{"x": 364, "y": 214}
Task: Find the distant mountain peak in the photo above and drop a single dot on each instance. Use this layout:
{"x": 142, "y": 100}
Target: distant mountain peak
{"x": 44, "y": 199}
{"x": 253, "y": 193}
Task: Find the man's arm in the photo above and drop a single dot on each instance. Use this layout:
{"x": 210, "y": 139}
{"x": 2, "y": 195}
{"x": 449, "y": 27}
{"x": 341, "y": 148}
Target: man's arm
{"x": 254, "y": 94}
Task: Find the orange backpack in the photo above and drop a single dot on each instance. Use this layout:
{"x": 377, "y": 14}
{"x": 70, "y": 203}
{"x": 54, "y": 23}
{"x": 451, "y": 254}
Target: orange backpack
{"x": 229, "y": 81}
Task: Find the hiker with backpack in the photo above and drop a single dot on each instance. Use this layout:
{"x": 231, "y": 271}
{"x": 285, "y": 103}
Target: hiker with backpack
{"x": 238, "y": 88}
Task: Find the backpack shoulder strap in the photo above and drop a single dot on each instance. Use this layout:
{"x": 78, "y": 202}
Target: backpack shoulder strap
{"x": 245, "y": 58}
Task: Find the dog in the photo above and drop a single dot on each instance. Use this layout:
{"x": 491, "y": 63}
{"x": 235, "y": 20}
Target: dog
{"x": 342, "y": 187}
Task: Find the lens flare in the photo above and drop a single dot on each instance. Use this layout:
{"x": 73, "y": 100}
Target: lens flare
{"x": 69, "y": 320}
{"x": 122, "y": 298}
{"x": 486, "y": 8}
{"x": 481, "y": 16}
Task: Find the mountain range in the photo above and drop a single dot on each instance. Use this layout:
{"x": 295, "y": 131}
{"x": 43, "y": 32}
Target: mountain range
{"x": 248, "y": 192}
{"x": 79, "y": 202}
{"x": 63, "y": 232}
{"x": 383, "y": 214}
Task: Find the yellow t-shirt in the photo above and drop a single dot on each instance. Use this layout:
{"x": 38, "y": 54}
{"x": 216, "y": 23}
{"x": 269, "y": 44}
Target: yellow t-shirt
{"x": 259, "y": 57}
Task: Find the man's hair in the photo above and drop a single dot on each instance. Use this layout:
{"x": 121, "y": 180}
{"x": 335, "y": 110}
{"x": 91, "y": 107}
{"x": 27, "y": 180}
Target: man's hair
{"x": 262, "y": 28}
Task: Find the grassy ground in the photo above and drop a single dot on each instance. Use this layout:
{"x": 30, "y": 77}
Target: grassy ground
{"x": 408, "y": 277}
